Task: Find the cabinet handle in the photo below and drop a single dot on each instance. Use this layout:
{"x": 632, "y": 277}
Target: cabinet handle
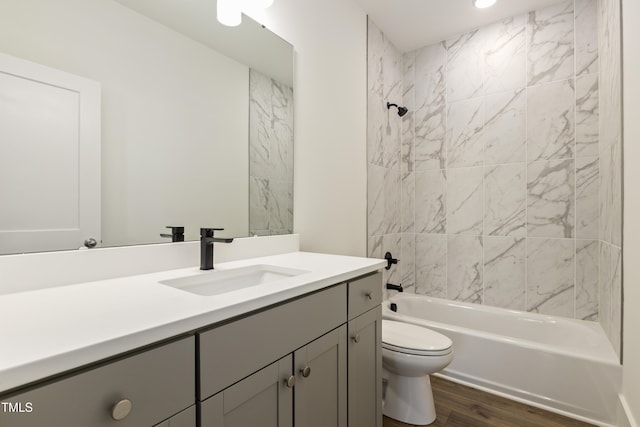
{"x": 356, "y": 338}
{"x": 369, "y": 295}
{"x": 121, "y": 409}
{"x": 290, "y": 382}
{"x": 306, "y": 371}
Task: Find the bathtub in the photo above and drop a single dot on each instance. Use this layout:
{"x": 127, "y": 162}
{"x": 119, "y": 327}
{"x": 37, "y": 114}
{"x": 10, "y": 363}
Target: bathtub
{"x": 562, "y": 365}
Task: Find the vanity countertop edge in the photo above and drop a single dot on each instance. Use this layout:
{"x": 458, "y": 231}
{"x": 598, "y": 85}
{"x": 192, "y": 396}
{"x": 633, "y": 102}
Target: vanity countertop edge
{"x": 51, "y": 331}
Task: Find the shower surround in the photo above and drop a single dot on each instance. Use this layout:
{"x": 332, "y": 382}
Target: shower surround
{"x": 501, "y": 186}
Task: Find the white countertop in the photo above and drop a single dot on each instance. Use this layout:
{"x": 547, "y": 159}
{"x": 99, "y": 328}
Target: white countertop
{"x": 49, "y": 331}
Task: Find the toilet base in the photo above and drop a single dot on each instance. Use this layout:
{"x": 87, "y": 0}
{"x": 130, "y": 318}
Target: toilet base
{"x": 414, "y": 405}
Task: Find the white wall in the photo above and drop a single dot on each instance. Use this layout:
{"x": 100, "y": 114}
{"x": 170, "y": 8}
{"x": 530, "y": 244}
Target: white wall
{"x": 174, "y": 114}
{"x": 631, "y": 102}
{"x": 330, "y": 192}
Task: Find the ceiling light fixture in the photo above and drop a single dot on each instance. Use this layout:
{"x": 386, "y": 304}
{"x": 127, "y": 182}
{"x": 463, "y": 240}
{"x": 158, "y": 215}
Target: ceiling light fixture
{"x": 230, "y": 11}
{"x": 482, "y": 4}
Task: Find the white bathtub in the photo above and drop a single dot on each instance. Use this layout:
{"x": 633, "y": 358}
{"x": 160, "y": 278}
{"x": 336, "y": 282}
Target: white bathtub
{"x": 562, "y": 365}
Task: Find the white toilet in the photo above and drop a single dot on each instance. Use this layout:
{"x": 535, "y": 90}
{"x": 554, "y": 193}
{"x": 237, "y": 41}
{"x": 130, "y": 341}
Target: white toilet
{"x": 409, "y": 354}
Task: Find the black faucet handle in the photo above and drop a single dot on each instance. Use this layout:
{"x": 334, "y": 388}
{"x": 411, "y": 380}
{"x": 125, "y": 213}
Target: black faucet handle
{"x": 208, "y": 232}
{"x": 390, "y": 260}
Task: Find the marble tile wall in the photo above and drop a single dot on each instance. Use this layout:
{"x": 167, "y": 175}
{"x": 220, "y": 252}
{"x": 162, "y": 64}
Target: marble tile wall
{"x": 610, "y": 167}
{"x": 389, "y": 162}
{"x": 270, "y": 156}
{"x": 502, "y": 164}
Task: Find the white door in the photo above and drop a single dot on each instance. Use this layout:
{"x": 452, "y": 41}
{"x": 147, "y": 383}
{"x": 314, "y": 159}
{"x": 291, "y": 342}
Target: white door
{"x": 49, "y": 158}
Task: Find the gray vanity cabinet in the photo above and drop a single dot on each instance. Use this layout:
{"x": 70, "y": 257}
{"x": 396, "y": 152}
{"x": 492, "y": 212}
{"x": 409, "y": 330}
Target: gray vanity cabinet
{"x": 306, "y": 337}
{"x": 143, "y": 389}
{"x": 365, "y": 352}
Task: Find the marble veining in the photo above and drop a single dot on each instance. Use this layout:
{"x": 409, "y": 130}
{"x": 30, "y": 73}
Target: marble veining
{"x": 587, "y": 275}
{"x": 551, "y": 121}
{"x": 464, "y": 133}
{"x": 611, "y": 292}
{"x": 504, "y": 132}
{"x": 505, "y": 191}
{"x": 391, "y": 201}
{"x": 550, "y": 36}
{"x": 431, "y": 264}
{"x": 375, "y": 200}
{"x": 430, "y": 70}
{"x": 504, "y": 272}
{"x": 259, "y": 205}
{"x": 464, "y": 201}
{"x": 407, "y": 200}
{"x": 587, "y": 193}
{"x": 431, "y": 203}
{"x": 407, "y": 155}
{"x": 550, "y": 199}
{"x": 586, "y": 29}
{"x": 587, "y": 116}
{"x": 550, "y": 276}
{"x": 430, "y": 152}
{"x": 408, "y": 264}
{"x": 465, "y": 268}
{"x": 376, "y": 107}
{"x": 464, "y": 66}
{"x": 504, "y": 55}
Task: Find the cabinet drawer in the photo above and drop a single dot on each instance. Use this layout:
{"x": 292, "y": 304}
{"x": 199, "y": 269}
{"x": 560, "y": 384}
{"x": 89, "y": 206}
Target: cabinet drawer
{"x": 364, "y": 294}
{"x": 158, "y": 383}
{"x": 233, "y": 351}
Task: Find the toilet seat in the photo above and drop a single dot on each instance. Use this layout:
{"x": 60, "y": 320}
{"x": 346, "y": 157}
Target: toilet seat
{"x": 413, "y": 339}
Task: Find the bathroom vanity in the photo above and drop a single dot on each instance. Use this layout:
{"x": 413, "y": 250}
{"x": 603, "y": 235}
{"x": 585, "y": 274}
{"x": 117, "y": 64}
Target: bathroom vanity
{"x": 301, "y": 350}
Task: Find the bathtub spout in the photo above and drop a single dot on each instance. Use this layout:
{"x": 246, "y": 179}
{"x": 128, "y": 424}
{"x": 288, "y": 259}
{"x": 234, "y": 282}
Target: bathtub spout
{"x": 393, "y": 287}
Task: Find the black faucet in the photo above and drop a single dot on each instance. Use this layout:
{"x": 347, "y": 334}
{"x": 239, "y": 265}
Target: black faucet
{"x": 393, "y": 287}
{"x": 206, "y": 246}
{"x": 177, "y": 233}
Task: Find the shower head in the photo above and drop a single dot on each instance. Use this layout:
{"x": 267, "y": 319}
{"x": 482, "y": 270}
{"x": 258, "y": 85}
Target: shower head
{"x": 401, "y": 110}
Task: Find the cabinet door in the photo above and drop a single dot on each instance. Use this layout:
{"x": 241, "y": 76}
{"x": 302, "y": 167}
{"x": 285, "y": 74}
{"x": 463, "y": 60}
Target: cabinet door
{"x": 365, "y": 369}
{"x": 186, "y": 418}
{"x": 321, "y": 382}
{"x": 263, "y": 399}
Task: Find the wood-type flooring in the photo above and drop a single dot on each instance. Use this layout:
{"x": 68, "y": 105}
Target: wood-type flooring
{"x": 461, "y": 406}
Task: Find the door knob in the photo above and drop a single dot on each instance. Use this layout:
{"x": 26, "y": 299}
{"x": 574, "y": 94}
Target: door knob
{"x": 356, "y": 338}
{"x": 121, "y": 409}
{"x": 306, "y": 371}
{"x": 290, "y": 382}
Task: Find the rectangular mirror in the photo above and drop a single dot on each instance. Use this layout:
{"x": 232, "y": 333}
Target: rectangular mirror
{"x": 196, "y": 117}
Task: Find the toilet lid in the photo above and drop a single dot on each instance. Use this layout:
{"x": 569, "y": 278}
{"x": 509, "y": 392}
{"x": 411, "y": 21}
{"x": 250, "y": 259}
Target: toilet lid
{"x": 413, "y": 339}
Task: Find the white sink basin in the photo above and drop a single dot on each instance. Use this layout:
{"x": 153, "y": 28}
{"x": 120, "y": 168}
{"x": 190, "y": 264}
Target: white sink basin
{"x": 218, "y": 282}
